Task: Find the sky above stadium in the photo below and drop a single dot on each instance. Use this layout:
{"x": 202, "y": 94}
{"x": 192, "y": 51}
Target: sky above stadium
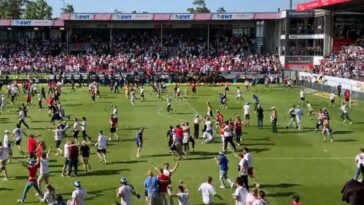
{"x": 127, "y": 6}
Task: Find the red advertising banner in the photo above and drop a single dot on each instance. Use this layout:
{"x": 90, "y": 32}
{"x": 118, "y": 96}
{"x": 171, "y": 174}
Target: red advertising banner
{"x": 5, "y": 22}
{"x": 318, "y": 4}
{"x": 161, "y": 17}
{"x": 204, "y": 16}
{"x": 102, "y": 17}
{"x": 58, "y": 23}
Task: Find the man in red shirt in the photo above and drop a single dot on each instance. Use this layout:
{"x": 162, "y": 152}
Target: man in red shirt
{"x": 164, "y": 182}
{"x": 72, "y": 157}
{"x": 178, "y": 140}
{"x": 32, "y": 146}
{"x": 32, "y": 167}
{"x": 219, "y": 118}
{"x": 194, "y": 85}
{"x": 113, "y": 124}
{"x": 347, "y": 96}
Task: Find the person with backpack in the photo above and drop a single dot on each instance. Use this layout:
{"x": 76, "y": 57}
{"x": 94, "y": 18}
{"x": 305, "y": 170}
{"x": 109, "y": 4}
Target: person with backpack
{"x": 151, "y": 189}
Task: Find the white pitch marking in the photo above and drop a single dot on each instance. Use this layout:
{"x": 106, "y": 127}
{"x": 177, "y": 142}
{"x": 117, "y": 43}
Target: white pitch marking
{"x": 166, "y": 116}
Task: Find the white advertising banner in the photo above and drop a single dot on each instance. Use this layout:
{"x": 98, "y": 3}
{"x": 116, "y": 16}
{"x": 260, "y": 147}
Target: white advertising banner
{"x": 353, "y": 85}
{"x": 132, "y": 17}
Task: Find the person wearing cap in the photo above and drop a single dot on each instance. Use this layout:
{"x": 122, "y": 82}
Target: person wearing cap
{"x": 223, "y": 162}
{"x": 274, "y": 119}
{"x": 125, "y": 191}
{"x": 32, "y": 167}
{"x": 78, "y": 195}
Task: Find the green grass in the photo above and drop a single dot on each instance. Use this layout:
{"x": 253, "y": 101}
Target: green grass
{"x": 285, "y": 163}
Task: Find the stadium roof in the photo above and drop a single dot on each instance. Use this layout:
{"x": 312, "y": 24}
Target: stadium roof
{"x": 335, "y": 5}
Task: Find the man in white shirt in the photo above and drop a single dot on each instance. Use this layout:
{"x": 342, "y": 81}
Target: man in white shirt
{"x": 345, "y": 113}
{"x": 302, "y": 97}
{"x": 252, "y": 196}
{"x": 101, "y": 147}
{"x": 43, "y": 169}
{"x": 246, "y": 109}
{"x": 21, "y": 117}
{"x": 78, "y": 195}
{"x": 85, "y": 136}
{"x": 207, "y": 135}
{"x": 7, "y": 144}
{"x": 332, "y": 99}
{"x": 207, "y": 191}
{"x": 2, "y": 103}
{"x": 125, "y": 191}
{"x": 4, "y": 156}
{"x": 249, "y": 158}
{"x": 261, "y": 200}
{"x": 240, "y": 193}
{"x": 65, "y": 154}
{"x": 18, "y": 135}
{"x": 359, "y": 159}
{"x": 58, "y": 136}
{"x": 238, "y": 95}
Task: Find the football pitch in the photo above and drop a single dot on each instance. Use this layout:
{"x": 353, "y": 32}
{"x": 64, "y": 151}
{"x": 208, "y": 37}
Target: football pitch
{"x": 286, "y": 162}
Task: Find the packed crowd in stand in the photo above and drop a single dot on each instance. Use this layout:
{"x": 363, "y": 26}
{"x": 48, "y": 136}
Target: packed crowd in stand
{"x": 138, "y": 53}
{"x": 348, "y": 63}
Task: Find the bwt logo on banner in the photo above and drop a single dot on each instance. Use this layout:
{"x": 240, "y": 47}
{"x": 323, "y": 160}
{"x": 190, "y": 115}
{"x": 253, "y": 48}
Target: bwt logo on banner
{"x": 224, "y": 16}
{"x": 183, "y": 16}
{"x": 82, "y": 16}
{"x": 23, "y": 22}
{"x": 123, "y": 17}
